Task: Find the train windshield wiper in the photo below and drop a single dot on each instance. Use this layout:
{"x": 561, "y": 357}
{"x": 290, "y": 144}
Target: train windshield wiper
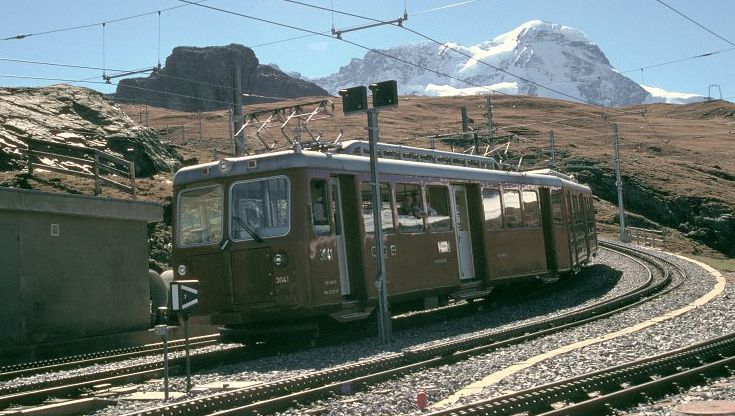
{"x": 248, "y": 229}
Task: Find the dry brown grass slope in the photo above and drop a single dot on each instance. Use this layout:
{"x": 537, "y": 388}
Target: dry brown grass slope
{"x": 678, "y": 161}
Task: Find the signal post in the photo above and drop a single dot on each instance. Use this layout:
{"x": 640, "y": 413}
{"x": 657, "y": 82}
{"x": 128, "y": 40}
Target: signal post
{"x": 354, "y": 100}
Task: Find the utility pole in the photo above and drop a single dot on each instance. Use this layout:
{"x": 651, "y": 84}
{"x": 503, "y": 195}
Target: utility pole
{"x": 552, "y": 149}
{"x": 465, "y": 124}
{"x": 199, "y": 113}
{"x": 229, "y": 130}
{"x": 237, "y": 112}
{"x": 489, "y": 119}
{"x": 624, "y": 236}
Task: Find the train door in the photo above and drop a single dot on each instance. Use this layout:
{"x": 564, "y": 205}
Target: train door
{"x": 338, "y": 208}
{"x": 464, "y": 238}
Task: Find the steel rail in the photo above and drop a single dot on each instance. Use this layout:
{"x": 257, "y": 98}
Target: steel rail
{"x": 102, "y": 357}
{"x": 624, "y": 385}
{"x": 269, "y": 397}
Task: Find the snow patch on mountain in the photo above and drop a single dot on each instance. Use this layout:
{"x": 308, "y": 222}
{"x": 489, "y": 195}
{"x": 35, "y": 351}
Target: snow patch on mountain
{"x": 660, "y": 95}
{"x": 537, "y": 58}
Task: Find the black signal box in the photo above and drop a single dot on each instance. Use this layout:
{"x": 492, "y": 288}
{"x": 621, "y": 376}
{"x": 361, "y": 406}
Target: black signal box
{"x": 354, "y": 100}
{"x": 385, "y": 94}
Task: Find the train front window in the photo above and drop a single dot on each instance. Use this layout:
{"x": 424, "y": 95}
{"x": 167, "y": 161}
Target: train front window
{"x": 259, "y": 209}
{"x": 199, "y": 220}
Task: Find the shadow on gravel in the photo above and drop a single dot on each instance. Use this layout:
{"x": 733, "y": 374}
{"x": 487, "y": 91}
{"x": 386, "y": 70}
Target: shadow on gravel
{"x": 531, "y": 301}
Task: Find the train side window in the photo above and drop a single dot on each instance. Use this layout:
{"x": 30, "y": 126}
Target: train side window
{"x": 556, "y": 207}
{"x": 319, "y": 207}
{"x": 200, "y": 216}
{"x": 530, "y": 209}
{"x": 437, "y": 208}
{"x": 570, "y": 213}
{"x": 260, "y": 208}
{"x": 410, "y": 208}
{"x": 512, "y": 209}
{"x": 493, "y": 208}
{"x": 386, "y": 211}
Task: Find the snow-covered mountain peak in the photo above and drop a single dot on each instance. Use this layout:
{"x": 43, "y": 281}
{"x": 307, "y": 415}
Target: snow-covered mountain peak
{"x": 536, "y": 58}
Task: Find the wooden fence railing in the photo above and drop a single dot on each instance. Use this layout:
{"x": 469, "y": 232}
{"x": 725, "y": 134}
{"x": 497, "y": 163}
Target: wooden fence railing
{"x": 647, "y": 237}
{"x": 100, "y": 162}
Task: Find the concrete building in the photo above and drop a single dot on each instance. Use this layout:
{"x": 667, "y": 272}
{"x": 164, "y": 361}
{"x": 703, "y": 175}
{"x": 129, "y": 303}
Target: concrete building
{"x": 72, "y": 266}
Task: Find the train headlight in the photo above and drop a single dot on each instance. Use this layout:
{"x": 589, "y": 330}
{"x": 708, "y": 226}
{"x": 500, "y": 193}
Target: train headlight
{"x": 182, "y": 270}
{"x": 225, "y": 166}
{"x": 280, "y": 259}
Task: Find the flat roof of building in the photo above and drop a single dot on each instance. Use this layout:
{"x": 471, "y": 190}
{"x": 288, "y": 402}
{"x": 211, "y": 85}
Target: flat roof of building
{"x": 26, "y": 200}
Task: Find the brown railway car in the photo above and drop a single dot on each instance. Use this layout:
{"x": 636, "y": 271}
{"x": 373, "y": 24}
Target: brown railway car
{"x": 281, "y": 240}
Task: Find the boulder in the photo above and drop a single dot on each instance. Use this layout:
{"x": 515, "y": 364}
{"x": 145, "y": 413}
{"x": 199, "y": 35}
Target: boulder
{"x": 79, "y": 117}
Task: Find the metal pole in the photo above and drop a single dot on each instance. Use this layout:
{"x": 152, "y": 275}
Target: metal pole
{"x": 237, "y": 111}
{"x": 384, "y": 323}
{"x": 162, "y": 330}
{"x": 230, "y": 138}
{"x": 552, "y": 145}
{"x": 489, "y": 119}
{"x": 624, "y": 236}
{"x": 465, "y": 124}
{"x": 186, "y": 345}
{"x": 200, "y": 125}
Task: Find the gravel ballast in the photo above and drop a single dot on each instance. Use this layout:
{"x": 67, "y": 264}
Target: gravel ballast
{"x": 610, "y": 276}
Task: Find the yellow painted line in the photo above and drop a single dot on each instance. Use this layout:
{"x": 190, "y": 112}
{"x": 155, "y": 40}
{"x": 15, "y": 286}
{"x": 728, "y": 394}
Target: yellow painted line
{"x": 499, "y": 375}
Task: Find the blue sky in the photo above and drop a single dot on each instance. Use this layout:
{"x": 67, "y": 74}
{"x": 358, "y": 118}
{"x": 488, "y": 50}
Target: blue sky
{"x": 632, "y": 34}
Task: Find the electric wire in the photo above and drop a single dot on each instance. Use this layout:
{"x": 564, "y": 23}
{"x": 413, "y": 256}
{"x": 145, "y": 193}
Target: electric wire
{"x": 376, "y": 51}
{"x": 27, "y": 35}
{"x": 114, "y": 84}
{"x": 446, "y": 45}
{"x": 694, "y": 21}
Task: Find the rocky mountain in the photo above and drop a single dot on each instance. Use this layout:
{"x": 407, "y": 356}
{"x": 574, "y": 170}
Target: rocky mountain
{"x": 196, "y": 79}
{"x": 80, "y": 117}
{"x": 539, "y": 53}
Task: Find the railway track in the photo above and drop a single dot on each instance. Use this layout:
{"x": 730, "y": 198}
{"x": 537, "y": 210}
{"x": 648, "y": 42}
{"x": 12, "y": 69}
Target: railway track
{"x": 345, "y": 379}
{"x": 98, "y": 358}
{"x": 626, "y": 385}
{"x": 271, "y": 397}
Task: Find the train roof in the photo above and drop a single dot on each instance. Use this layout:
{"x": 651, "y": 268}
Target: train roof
{"x": 278, "y": 161}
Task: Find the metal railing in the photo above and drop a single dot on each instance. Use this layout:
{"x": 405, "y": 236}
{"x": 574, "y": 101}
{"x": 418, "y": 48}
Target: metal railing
{"x": 647, "y": 237}
{"x": 82, "y": 159}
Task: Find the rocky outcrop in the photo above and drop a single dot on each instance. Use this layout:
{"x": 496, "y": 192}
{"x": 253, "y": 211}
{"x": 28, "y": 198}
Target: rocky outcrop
{"x": 195, "y": 79}
{"x": 80, "y": 117}
{"x": 709, "y": 220}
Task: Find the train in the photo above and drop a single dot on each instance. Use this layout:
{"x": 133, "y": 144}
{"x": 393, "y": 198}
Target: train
{"x": 284, "y": 241}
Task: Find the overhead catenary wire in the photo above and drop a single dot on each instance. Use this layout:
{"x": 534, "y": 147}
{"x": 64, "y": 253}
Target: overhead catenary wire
{"x": 446, "y": 45}
{"x": 120, "y": 19}
{"x": 376, "y": 51}
{"x": 115, "y": 84}
{"x": 694, "y": 21}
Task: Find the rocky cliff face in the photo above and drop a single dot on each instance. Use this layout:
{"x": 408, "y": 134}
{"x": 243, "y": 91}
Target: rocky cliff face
{"x": 196, "y": 79}
{"x": 79, "y": 117}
